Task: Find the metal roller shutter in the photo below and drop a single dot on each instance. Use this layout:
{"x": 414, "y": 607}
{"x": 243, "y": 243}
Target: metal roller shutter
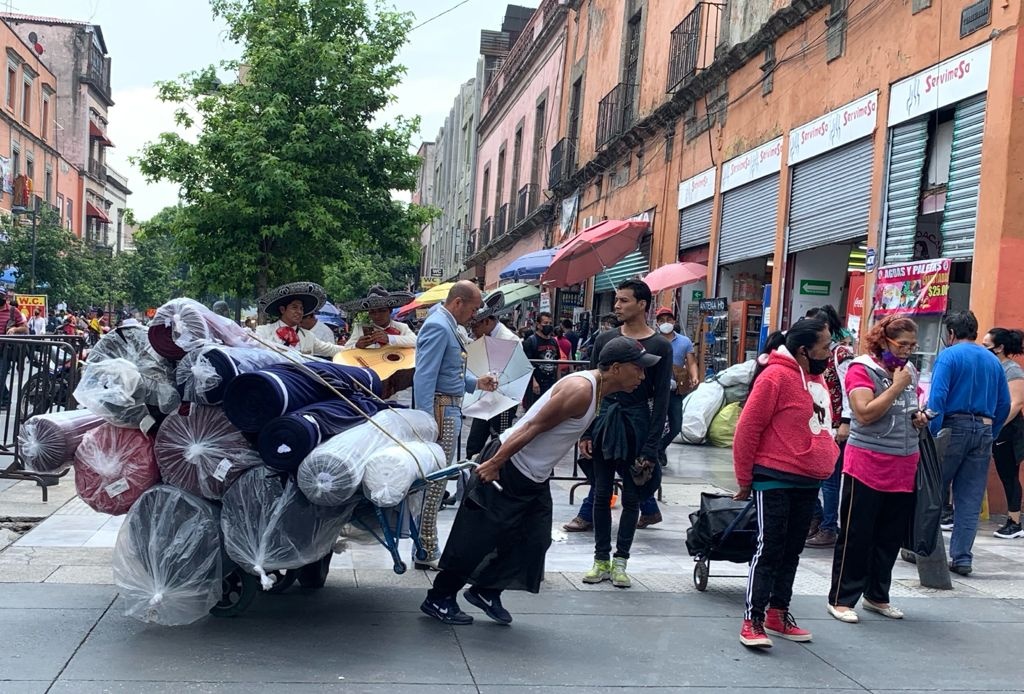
{"x": 908, "y": 144}
{"x": 748, "y": 220}
{"x": 632, "y": 266}
{"x": 831, "y": 197}
{"x": 695, "y": 224}
{"x": 961, "y": 212}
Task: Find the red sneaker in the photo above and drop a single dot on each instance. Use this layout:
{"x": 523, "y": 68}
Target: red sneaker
{"x": 781, "y": 623}
{"x": 752, "y": 635}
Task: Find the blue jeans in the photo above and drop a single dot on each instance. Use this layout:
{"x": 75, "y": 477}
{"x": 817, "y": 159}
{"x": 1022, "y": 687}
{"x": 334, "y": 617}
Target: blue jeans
{"x": 966, "y": 468}
{"x": 827, "y": 508}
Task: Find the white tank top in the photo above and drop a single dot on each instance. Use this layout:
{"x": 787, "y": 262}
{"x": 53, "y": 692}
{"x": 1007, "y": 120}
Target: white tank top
{"x": 538, "y": 458}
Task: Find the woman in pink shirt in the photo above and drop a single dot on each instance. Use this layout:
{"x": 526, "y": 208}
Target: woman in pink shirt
{"x": 879, "y": 470}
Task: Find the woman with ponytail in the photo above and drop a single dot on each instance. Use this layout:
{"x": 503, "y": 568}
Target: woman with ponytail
{"x": 1008, "y": 449}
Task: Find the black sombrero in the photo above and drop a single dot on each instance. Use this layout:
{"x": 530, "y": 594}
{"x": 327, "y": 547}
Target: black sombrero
{"x": 311, "y": 294}
{"x": 379, "y": 297}
{"x": 494, "y": 302}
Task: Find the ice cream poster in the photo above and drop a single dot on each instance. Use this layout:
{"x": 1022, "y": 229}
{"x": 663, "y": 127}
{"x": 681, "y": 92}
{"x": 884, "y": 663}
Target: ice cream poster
{"x": 917, "y": 288}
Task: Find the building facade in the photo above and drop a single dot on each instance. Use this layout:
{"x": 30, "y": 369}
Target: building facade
{"x": 119, "y": 234}
{"x": 423, "y": 195}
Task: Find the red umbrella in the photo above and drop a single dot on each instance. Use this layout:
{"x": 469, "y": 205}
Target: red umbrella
{"x": 593, "y": 250}
{"x": 675, "y": 275}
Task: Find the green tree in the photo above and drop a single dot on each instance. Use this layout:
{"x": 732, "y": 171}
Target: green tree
{"x": 154, "y": 272}
{"x": 289, "y": 171}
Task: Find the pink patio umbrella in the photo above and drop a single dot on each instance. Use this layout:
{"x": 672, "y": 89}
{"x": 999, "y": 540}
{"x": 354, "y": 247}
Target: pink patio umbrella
{"x": 593, "y": 250}
{"x": 675, "y": 275}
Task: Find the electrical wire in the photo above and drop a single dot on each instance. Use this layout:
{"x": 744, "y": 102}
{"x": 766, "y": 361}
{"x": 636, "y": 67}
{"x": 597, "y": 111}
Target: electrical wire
{"x": 436, "y": 16}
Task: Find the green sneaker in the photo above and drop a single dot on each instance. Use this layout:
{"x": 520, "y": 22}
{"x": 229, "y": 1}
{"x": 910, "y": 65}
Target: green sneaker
{"x": 620, "y": 579}
{"x": 600, "y": 571}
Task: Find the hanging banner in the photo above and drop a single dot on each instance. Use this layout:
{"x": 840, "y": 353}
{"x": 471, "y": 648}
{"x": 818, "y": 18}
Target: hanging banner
{"x": 916, "y": 289}
{"x": 855, "y": 305}
{"x": 5, "y": 173}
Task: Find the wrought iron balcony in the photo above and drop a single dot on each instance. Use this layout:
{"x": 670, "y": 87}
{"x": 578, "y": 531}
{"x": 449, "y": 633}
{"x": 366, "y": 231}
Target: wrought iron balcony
{"x": 471, "y": 243}
{"x": 500, "y": 224}
{"x": 527, "y": 201}
{"x": 563, "y": 161}
{"x": 615, "y": 113}
{"x": 485, "y": 233}
{"x": 692, "y": 43}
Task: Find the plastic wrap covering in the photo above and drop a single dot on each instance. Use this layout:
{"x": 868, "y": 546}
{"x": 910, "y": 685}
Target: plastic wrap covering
{"x": 699, "y": 408}
{"x": 183, "y": 325}
{"x": 390, "y": 472}
{"x": 113, "y": 467}
{"x": 204, "y": 374}
{"x": 113, "y": 390}
{"x": 167, "y": 559}
{"x": 736, "y": 380}
{"x": 268, "y": 524}
{"x": 202, "y": 452}
{"x": 253, "y": 399}
{"x": 47, "y": 442}
{"x": 156, "y": 373}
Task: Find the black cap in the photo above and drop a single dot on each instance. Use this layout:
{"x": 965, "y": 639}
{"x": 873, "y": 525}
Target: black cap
{"x": 625, "y": 350}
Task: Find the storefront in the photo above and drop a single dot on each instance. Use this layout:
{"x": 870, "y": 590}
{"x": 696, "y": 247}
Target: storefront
{"x": 633, "y": 266}
{"x": 831, "y": 160}
{"x": 696, "y": 204}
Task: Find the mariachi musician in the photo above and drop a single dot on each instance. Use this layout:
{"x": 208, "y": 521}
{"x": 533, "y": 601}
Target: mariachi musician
{"x": 382, "y": 331}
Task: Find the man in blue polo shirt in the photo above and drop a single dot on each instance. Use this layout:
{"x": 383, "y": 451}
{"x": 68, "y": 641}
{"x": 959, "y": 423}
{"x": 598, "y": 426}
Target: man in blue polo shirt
{"x": 970, "y": 397}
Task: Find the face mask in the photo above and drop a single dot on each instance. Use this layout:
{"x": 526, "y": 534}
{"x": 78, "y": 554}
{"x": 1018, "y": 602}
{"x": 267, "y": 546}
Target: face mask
{"x": 892, "y": 362}
{"x": 666, "y": 328}
{"x": 816, "y": 366}
{"x": 546, "y": 330}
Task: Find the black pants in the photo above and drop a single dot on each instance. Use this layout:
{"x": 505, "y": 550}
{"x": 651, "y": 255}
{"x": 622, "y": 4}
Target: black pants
{"x": 482, "y": 429}
{"x": 783, "y": 519}
{"x": 872, "y": 526}
{"x": 530, "y": 397}
{"x": 1004, "y": 451}
{"x": 602, "y": 476}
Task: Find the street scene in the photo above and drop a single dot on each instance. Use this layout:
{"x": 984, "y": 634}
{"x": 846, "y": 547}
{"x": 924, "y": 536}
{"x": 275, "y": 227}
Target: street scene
{"x": 472, "y": 346}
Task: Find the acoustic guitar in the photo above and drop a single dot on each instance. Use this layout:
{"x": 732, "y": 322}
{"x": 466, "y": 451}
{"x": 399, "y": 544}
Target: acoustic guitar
{"x": 385, "y": 361}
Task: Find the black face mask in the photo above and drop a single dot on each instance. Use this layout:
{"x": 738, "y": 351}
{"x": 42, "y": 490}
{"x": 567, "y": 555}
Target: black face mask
{"x": 546, "y": 330}
{"x": 816, "y": 366}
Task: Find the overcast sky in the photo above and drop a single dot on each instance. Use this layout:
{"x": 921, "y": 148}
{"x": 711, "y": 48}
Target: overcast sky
{"x": 154, "y": 40}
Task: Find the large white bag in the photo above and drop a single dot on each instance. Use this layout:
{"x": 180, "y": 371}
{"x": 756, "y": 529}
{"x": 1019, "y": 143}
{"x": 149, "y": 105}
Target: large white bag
{"x": 699, "y": 408}
{"x": 390, "y": 472}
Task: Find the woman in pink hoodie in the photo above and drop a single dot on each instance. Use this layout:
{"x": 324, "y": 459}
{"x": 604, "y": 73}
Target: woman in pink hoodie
{"x": 782, "y": 451}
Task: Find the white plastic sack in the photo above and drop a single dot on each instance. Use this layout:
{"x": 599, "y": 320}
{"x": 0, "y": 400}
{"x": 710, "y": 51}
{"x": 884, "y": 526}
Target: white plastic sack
{"x": 737, "y": 374}
{"x": 333, "y": 472}
{"x": 113, "y": 390}
{"x": 47, "y": 442}
{"x": 269, "y": 525}
{"x": 699, "y": 408}
{"x": 390, "y": 472}
{"x": 193, "y": 325}
{"x": 167, "y": 559}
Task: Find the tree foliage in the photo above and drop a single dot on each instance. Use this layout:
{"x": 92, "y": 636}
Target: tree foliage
{"x": 155, "y": 272}
{"x": 288, "y": 173}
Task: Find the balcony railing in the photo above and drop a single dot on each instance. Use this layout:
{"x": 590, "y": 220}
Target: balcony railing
{"x": 522, "y": 49}
{"x": 693, "y": 42}
{"x": 614, "y": 113}
{"x": 563, "y": 161}
{"x": 527, "y": 201}
{"x": 471, "y": 243}
{"x": 98, "y": 169}
{"x": 500, "y": 223}
{"x": 97, "y": 71}
{"x": 485, "y": 234}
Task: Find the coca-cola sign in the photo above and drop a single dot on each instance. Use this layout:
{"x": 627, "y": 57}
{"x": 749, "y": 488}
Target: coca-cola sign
{"x": 698, "y": 188}
{"x": 836, "y": 128}
{"x": 757, "y": 163}
{"x": 940, "y": 85}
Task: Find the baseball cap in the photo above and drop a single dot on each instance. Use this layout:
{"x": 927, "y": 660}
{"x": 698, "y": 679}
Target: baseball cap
{"x": 664, "y": 311}
{"x": 625, "y": 350}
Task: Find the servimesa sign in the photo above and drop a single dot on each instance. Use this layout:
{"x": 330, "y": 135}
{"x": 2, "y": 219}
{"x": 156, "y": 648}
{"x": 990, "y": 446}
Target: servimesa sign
{"x": 757, "y": 163}
{"x": 836, "y": 128}
{"x": 940, "y": 85}
{"x": 697, "y": 189}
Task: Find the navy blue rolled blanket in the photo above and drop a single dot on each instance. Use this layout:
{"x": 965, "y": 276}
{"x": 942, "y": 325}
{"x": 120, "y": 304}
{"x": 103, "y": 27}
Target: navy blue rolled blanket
{"x": 254, "y": 399}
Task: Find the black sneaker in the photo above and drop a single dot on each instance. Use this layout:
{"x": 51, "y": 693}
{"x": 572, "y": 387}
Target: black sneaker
{"x": 491, "y": 606}
{"x": 446, "y": 611}
{"x": 962, "y": 569}
{"x": 1010, "y": 530}
{"x": 946, "y": 522}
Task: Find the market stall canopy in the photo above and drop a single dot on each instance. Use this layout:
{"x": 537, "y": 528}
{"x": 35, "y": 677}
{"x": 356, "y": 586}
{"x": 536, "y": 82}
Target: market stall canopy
{"x": 428, "y": 298}
{"x": 593, "y": 250}
{"x": 515, "y": 294}
{"x": 530, "y": 266}
{"x": 675, "y": 275}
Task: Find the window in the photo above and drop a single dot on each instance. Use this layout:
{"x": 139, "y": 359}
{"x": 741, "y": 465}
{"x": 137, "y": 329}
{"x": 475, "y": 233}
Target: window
{"x": 30, "y": 169}
{"x": 768, "y": 70}
{"x": 485, "y": 194}
{"x": 26, "y": 100}
{"x": 836, "y": 29}
{"x": 12, "y": 85}
{"x": 48, "y": 185}
{"x": 70, "y": 215}
{"x": 539, "y": 126}
{"x": 45, "y": 127}
{"x": 631, "y": 68}
{"x": 517, "y": 160}
{"x": 499, "y": 190}
{"x": 573, "y": 125}
{"x": 60, "y": 208}
{"x": 16, "y": 163}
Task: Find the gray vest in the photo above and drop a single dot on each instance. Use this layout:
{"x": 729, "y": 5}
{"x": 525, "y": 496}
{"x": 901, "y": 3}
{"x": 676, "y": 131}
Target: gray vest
{"x": 893, "y": 433}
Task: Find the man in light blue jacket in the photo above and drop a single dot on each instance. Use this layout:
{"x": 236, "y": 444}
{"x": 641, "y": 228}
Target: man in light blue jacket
{"x": 439, "y": 384}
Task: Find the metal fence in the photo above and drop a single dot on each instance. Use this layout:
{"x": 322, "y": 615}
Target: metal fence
{"x": 38, "y": 374}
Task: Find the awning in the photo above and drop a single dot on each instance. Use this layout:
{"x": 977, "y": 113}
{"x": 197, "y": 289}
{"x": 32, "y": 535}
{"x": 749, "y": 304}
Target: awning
{"x": 93, "y": 211}
{"x": 95, "y": 132}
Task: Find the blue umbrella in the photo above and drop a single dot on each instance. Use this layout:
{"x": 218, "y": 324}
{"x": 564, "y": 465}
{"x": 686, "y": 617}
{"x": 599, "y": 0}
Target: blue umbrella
{"x": 530, "y": 266}
{"x": 329, "y": 309}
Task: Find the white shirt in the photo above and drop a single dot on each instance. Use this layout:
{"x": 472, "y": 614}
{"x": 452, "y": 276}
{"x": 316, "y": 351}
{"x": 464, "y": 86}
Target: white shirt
{"x": 323, "y": 332}
{"x": 501, "y": 332}
{"x": 308, "y": 342}
{"x": 37, "y": 326}
{"x": 405, "y": 337}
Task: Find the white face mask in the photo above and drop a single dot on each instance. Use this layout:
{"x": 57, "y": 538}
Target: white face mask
{"x": 666, "y": 328}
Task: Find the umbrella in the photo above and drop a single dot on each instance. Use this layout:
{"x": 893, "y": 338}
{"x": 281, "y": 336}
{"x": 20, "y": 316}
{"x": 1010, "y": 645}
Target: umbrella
{"x": 330, "y": 309}
{"x": 516, "y": 293}
{"x": 675, "y": 275}
{"x": 507, "y": 361}
{"x": 530, "y": 266}
{"x": 427, "y": 298}
{"x": 593, "y": 250}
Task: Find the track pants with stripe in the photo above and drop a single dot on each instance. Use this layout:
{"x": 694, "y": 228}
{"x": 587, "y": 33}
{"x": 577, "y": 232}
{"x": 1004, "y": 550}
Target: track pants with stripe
{"x": 783, "y": 519}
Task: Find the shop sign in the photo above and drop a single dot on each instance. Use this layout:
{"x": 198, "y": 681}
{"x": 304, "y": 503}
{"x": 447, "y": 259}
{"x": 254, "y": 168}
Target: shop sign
{"x": 28, "y": 303}
{"x": 855, "y": 304}
{"x": 545, "y": 301}
{"x": 870, "y": 258}
{"x": 428, "y": 283}
{"x": 757, "y": 163}
{"x": 436, "y": 272}
{"x": 846, "y": 124}
{"x": 815, "y": 287}
{"x": 697, "y": 189}
{"x": 714, "y": 305}
{"x": 917, "y": 288}
{"x": 696, "y": 295}
{"x": 940, "y": 85}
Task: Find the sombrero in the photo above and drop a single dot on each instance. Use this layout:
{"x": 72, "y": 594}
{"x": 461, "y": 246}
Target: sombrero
{"x": 494, "y": 302}
{"x": 379, "y": 297}
{"x": 311, "y": 294}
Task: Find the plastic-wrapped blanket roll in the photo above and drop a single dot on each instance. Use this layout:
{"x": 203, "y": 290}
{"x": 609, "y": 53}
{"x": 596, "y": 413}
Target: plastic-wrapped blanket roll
{"x": 285, "y": 442}
{"x": 167, "y": 559}
{"x": 47, "y": 442}
{"x": 253, "y": 399}
{"x": 333, "y": 472}
{"x": 202, "y": 452}
{"x": 204, "y": 374}
{"x": 390, "y": 472}
{"x": 113, "y": 390}
{"x": 699, "y": 408}
{"x": 156, "y": 373}
{"x": 183, "y": 325}
{"x": 268, "y": 524}
{"x": 113, "y": 467}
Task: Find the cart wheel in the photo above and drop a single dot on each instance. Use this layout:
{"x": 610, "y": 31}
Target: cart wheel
{"x": 283, "y": 580}
{"x": 314, "y": 575}
{"x": 239, "y": 589}
{"x": 701, "y": 570}
{"x": 400, "y": 567}
{"x": 421, "y": 554}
